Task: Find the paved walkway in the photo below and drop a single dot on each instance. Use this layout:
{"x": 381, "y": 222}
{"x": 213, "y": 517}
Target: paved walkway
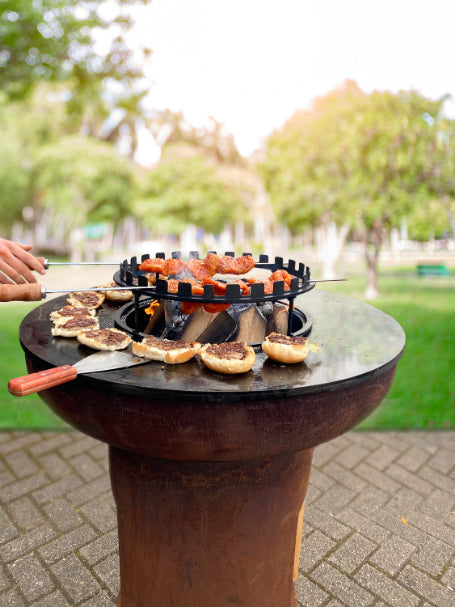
{"x": 379, "y": 522}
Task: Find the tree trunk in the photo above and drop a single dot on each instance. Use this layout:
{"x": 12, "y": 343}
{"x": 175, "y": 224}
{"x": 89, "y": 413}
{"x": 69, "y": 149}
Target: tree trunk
{"x": 451, "y": 217}
{"x": 371, "y": 291}
{"x": 330, "y": 241}
{"x": 373, "y": 238}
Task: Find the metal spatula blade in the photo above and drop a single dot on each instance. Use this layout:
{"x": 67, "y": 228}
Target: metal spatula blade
{"x": 107, "y": 361}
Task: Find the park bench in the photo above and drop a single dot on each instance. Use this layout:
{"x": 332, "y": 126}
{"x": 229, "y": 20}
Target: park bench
{"x": 432, "y": 269}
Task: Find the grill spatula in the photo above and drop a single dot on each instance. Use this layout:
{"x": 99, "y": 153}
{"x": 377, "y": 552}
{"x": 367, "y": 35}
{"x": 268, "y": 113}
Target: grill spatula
{"x": 101, "y": 361}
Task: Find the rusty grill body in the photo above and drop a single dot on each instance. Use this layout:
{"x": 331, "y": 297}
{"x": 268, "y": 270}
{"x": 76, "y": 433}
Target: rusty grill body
{"x": 210, "y": 473}
{"x": 133, "y": 319}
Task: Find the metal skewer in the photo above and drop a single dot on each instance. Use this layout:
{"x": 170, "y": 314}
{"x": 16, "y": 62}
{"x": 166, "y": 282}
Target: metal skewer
{"x": 45, "y": 292}
{"x": 35, "y": 291}
{"x": 46, "y": 263}
{"x": 330, "y": 280}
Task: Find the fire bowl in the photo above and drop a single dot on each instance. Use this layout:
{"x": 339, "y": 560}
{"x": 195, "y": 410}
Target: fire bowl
{"x": 240, "y": 322}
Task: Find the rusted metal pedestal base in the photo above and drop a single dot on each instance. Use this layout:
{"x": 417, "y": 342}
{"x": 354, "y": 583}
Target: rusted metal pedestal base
{"x": 208, "y": 534}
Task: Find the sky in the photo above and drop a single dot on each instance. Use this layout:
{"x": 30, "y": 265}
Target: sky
{"x": 252, "y": 63}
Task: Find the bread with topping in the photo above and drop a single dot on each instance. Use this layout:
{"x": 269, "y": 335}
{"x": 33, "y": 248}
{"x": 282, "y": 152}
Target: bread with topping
{"x": 63, "y": 314}
{"x": 86, "y": 299}
{"x": 104, "y": 339}
{"x": 287, "y": 349}
{"x": 166, "y": 350}
{"x": 228, "y": 357}
{"x": 117, "y": 294}
{"x": 74, "y": 325}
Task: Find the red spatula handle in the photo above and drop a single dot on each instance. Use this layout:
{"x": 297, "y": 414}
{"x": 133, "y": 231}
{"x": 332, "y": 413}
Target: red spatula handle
{"x": 42, "y": 380}
{"x": 26, "y": 292}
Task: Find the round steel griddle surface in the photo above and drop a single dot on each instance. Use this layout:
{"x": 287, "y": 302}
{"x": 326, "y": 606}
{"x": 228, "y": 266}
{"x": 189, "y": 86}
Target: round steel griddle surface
{"x": 357, "y": 342}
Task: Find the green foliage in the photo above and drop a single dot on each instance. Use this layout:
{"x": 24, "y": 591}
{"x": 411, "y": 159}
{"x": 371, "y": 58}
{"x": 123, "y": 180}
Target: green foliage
{"x": 427, "y": 221}
{"x": 55, "y": 41}
{"x": 306, "y": 170}
{"x": 15, "y": 186}
{"x": 41, "y": 165}
{"x": 86, "y": 179}
{"x": 23, "y": 128}
{"x": 361, "y": 160}
{"x": 367, "y": 160}
{"x": 183, "y": 190}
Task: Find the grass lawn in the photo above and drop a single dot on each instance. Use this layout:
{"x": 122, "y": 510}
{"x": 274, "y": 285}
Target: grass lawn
{"x": 422, "y": 395}
{"x": 27, "y": 411}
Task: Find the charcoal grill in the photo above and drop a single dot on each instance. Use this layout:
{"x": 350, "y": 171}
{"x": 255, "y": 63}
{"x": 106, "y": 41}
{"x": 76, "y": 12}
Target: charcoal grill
{"x": 210, "y": 472}
{"x": 131, "y": 317}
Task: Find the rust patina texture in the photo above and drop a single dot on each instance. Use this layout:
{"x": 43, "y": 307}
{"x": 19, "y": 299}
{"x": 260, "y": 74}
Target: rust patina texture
{"x": 209, "y": 472}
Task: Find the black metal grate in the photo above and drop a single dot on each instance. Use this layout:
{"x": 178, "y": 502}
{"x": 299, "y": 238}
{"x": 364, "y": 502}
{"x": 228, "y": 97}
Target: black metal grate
{"x": 130, "y": 275}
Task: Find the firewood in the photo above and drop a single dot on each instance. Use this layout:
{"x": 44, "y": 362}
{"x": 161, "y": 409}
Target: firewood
{"x": 252, "y": 325}
{"x": 278, "y": 321}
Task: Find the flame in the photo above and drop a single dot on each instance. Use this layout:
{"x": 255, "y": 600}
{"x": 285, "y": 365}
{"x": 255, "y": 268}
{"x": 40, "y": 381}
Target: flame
{"x": 152, "y": 307}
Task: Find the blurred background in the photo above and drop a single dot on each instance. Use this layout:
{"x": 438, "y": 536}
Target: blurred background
{"x": 323, "y": 131}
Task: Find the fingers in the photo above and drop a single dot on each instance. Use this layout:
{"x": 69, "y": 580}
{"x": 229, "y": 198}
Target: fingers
{"x": 15, "y": 272}
{"x": 30, "y": 262}
{"x": 16, "y": 264}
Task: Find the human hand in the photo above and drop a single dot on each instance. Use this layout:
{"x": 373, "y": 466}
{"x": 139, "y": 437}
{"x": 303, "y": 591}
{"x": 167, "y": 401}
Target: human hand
{"x": 17, "y": 264}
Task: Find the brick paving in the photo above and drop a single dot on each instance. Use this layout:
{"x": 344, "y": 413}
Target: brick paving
{"x": 379, "y": 522}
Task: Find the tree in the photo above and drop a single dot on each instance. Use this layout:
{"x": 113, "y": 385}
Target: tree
{"x": 133, "y": 116}
{"x": 186, "y": 190}
{"x": 23, "y": 129}
{"x": 305, "y": 172}
{"x": 392, "y": 164}
{"x": 427, "y": 222}
{"x": 170, "y": 128}
{"x": 55, "y": 41}
{"x": 362, "y": 159}
{"x": 86, "y": 179}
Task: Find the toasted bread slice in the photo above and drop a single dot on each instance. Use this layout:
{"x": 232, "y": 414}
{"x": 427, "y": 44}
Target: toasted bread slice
{"x": 67, "y": 312}
{"x": 104, "y": 339}
{"x": 74, "y": 325}
{"x": 166, "y": 350}
{"x": 288, "y": 349}
{"x": 86, "y": 299}
{"x": 229, "y": 357}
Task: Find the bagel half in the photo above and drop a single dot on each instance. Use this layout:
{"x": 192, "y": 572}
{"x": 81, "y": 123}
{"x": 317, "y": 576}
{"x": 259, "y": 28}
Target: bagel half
{"x": 166, "y": 350}
{"x": 288, "y": 349}
{"x": 228, "y": 357}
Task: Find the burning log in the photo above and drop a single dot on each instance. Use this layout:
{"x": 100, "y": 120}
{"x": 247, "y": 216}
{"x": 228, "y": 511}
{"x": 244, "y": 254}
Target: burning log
{"x": 205, "y": 327}
{"x": 242, "y": 322}
{"x": 155, "y": 314}
{"x": 277, "y": 322}
{"x": 251, "y": 323}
